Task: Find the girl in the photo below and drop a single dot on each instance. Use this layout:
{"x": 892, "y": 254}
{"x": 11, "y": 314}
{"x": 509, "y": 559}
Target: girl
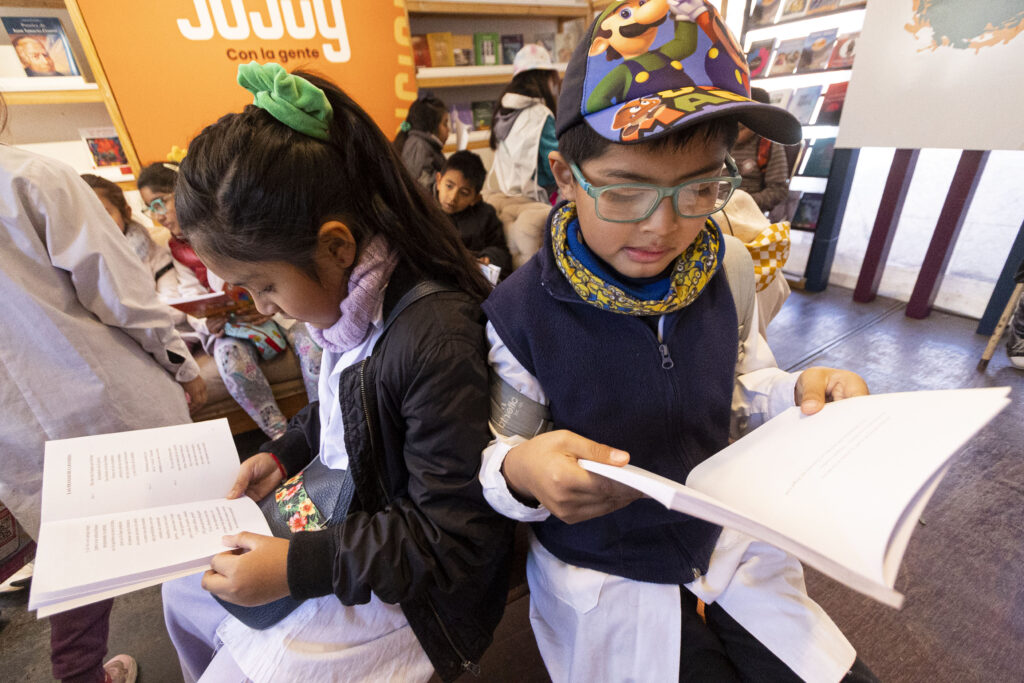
{"x": 237, "y": 359}
{"x": 523, "y": 132}
{"x": 417, "y": 561}
{"x": 156, "y": 256}
{"x": 422, "y": 138}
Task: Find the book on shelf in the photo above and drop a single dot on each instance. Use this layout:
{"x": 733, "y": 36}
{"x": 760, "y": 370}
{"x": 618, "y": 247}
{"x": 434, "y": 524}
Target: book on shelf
{"x": 817, "y": 159}
{"x": 486, "y": 49}
{"x": 787, "y": 56}
{"x": 546, "y": 40}
{"x": 462, "y": 49}
{"x": 128, "y": 510}
{"x": 780, "y": 98}
{"x": 441, "y": 52}
{"x": 818, "y": 6}
{"x": 231, "y": 300}
{"x": 791, "y": 9}
{"x": 763, "y": 13}
{"x": 807, "y": 211}
{"x": 42, "y": 46}
{"x": 482, "y": 113}
{"x": 841, "y": 490}
{"x": 801, "y": 105}
{"x": 816, "y": 50}
{"x": 511, "y": 44}
{"x": 462, "y": 113}
{"x": 844, "y": 51}
{"x": 568, "y": 37}
{"x": 104, "y": 147}
{"x": 759, "y": 57}
{"x": 420, "y": 51}
{"x": 832, "y": 105}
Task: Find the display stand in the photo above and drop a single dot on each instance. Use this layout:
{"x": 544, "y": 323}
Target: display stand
{"x": 833, "y": 206}
{"x": 1004, "y": 285}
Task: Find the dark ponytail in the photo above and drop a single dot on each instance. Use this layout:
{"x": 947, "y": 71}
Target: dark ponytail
{"x": 254, "y": 190}
{"x": 425, "y": 115}
{"x": 531, "y": 83}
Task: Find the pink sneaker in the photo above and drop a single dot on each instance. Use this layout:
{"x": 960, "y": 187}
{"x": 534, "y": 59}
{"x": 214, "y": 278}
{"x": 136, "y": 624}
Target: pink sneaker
{"x": 121, "y": 669}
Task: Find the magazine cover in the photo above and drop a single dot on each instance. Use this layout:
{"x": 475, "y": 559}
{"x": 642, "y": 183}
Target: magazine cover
{"x": 482, "y": 112}
{"x": 510, "y": 45}
{"x": 807, "y": 211}
{"x": 568, "y": 36}
{"x": 815, "y": 6}
{"x": 832, "y": 105}
{"x": 545, "y": 40}
{"x": 844, "y": 51}
{"x": 793, "y": 9}
{"x": 819, "y": 158}
{"x": 787, "y": 56}
{"x": 441, "y": 53}
{"x": 41, "y": 45}
{"x": 816, "y": 50}
{"x": 760, "y": 57}
{"x": 420, "y": 50}
{"x": 780, "y": 98}
{"x": 460, "y": 112}
{"x": 802, "y": 104}
{"x": 763, "y": 13}
{"x": 485, "y": 49}
{"x": 462, "y": 46}
{"x": 104, "y": 146}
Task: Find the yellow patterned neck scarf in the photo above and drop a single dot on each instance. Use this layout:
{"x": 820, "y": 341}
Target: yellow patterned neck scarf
{"x": 691, "y": 273}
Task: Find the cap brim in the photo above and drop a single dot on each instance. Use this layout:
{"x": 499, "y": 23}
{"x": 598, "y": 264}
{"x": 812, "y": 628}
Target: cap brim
{"x": 654, "y": 119}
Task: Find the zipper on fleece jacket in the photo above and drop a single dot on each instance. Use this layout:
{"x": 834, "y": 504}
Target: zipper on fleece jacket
{"x": 466, "y": 663}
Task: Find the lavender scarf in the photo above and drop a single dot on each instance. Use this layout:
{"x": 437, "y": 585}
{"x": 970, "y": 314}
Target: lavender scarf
{"x": 365, "y": 292}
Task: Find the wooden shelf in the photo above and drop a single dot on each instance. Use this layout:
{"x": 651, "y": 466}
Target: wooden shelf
{"x": 53, "y": 97}
{"x": 457, "y": 76}
{"x": 504, "y": 9}
{"x": 36, "y": 4}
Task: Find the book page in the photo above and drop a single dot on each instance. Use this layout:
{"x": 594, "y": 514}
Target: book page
{"x": 103, "y": 552}
{"x": 840, "y": 481}
{"x": 107, "y": 473}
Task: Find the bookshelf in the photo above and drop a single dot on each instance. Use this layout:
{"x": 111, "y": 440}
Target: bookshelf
{"x": 566, "y": 10}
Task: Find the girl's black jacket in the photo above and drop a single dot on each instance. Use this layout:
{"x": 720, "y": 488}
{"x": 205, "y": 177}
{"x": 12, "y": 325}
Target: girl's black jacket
{"x": 418, "y": 532}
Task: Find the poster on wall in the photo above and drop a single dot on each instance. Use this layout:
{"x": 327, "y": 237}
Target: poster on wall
{"x": 937, "y": 73}
{"x": 174, "y": 71}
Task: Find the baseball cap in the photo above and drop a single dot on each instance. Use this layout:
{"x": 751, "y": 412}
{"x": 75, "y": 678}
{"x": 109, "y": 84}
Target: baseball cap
{"x": 647, "y": 67}
{"x": 532, "y": 56}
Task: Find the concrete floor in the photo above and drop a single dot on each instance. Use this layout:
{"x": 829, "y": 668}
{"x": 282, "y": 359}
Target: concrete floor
{"x": 964, "y": 619}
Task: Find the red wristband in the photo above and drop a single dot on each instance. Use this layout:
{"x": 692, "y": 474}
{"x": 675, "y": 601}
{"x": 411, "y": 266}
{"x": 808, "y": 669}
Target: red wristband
{"x": 284, "y": 473}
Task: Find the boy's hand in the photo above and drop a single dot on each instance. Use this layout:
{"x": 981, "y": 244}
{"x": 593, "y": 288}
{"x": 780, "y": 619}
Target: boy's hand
{"x": 195, "y": 394}
{"x": 255, "y": 573}
{"x": 257, "y": 477}
{"x": 545, "y": 469}
{"x": 817, "y": 386}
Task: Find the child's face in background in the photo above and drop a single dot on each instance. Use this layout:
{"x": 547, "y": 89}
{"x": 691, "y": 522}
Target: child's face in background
{"x": 444, "y": 128}
{"x": 114, "y": 212}
{"x": 454, "y": 192}
{"x": 169, "y": 219}
{"x": 645, "y": 248}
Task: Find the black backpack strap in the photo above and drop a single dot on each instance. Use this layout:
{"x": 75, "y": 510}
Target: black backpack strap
{"x": 418, "y": 291}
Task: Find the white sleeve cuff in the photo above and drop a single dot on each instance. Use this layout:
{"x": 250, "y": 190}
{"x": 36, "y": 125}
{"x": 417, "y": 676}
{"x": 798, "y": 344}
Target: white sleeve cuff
{"x": 496, "y": 490}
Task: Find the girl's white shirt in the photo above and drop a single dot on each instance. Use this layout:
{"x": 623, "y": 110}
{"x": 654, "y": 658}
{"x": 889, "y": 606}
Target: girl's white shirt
{"x": 578, "y": 613}
{"x": 323, "y": 640}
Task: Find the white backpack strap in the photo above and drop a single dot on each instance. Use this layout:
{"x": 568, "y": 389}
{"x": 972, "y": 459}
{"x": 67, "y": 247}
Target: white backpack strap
{"x": 739, "y": 272}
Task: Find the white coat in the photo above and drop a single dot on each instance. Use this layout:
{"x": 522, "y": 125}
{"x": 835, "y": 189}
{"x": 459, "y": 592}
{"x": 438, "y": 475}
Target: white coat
{"x": 514, "y": 170}
{"x": 85, "y": 346}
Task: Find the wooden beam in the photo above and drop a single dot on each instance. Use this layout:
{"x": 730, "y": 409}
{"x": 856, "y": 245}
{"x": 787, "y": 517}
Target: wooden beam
{"x": 496, "y": 9}
{"x": 14, "y": 99}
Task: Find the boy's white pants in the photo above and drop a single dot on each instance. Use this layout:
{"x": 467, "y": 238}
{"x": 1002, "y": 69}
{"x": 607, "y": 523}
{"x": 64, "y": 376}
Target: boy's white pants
{"x": 591, "y": 626}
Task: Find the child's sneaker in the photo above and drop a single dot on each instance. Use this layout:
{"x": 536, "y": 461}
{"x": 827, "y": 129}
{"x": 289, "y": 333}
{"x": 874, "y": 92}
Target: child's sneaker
{"x": 121, "y": 669}
{"x": 1015, "y": 350}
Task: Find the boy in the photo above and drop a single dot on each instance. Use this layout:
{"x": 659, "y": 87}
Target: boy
{"x": 458, "y": 192}
{"x": 621, "y": 333}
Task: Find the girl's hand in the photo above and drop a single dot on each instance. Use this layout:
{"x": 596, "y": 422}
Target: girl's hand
{"x": 215, "y": 324}
{"x": 255, "y": 573}
{"x": 817, "y": 386}
{"x": 195, "y": 394}
{"x": 257, "y": 477}
{"x": 545, "y": 469}
{"x": 252, "y": 317}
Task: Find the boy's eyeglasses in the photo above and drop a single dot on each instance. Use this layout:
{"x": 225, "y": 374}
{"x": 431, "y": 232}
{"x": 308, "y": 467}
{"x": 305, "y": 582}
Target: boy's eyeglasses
{"x": 633, "y": 202}
{"x": 158, "y": 207}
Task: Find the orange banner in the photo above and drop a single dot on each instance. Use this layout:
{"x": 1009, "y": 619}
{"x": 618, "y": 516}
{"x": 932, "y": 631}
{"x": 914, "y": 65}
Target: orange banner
{"x": 171, "y": 64}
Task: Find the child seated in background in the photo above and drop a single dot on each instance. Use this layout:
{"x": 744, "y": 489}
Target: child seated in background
{"x": 156, "y": 256}
{"x": 458, "y": 186}
{"x": 237, "y": 359}
{"x": 421, "y": 138}
{"x": 633, "y": 332}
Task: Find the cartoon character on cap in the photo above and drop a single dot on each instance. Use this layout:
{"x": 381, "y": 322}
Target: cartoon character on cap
{"x": 532, "y": 56}
{"x": 628, "y": 30}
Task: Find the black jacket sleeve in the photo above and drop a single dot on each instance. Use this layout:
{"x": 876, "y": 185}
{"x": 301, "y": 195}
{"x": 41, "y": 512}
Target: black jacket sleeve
{"x": 495, "y": 245}
{"x": 297, "y": 447}
{"x": 440, "y": 531}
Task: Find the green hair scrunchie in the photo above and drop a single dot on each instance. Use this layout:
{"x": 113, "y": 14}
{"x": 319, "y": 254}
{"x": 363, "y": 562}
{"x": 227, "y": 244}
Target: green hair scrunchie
{"x": 290, "y": 99}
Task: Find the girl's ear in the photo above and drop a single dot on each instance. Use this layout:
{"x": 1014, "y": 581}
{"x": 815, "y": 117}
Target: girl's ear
{"x": 336, "y": 244}
{"x": 563, "y": 176}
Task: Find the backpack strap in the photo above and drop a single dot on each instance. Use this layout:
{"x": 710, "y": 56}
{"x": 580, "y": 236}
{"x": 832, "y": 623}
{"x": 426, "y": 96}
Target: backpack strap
{"x": 418, "y": 291}
{"x": 739, "y": 273}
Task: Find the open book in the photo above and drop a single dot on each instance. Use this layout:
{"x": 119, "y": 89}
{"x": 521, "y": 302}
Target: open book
{"x": 231, "y": 300}
{"x": 842, "y": 490}
{"x": 129, "y": 510}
